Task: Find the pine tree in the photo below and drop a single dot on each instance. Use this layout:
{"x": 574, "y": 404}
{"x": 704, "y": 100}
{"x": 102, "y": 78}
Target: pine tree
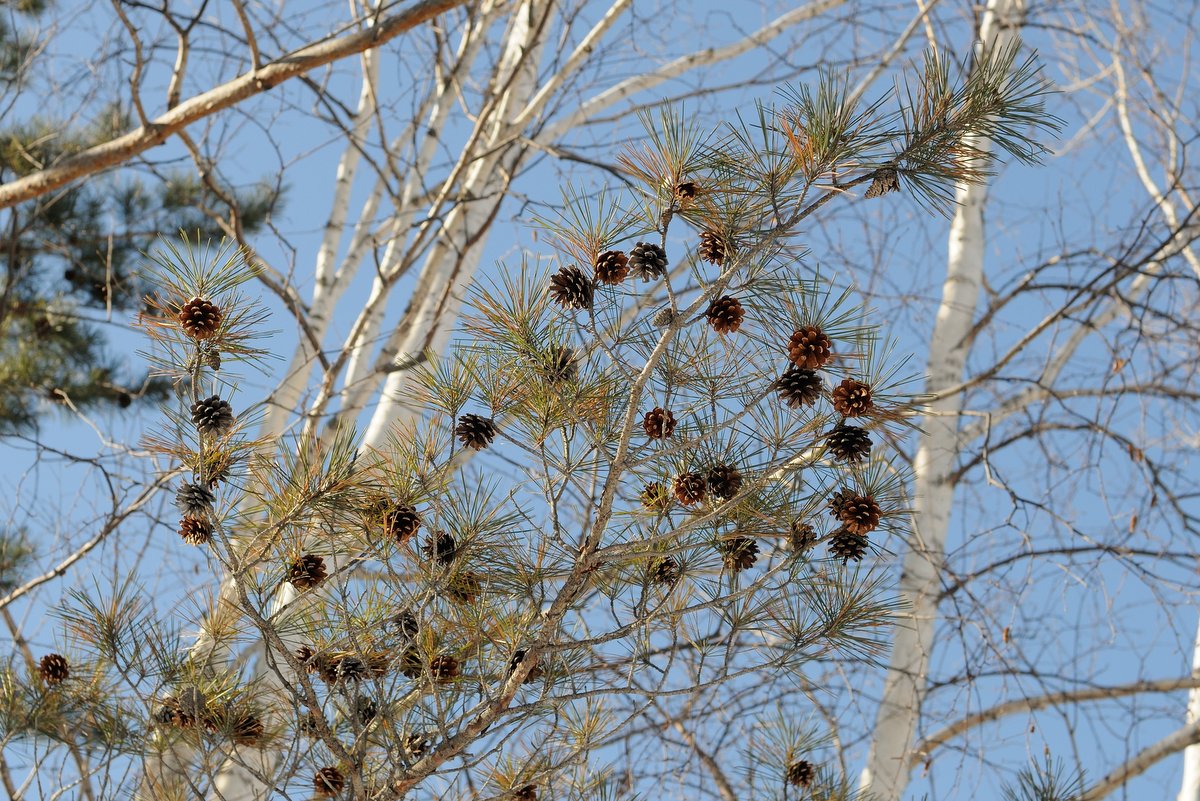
{"x": 511, "y": 576}
{"x": 69, "y": 260}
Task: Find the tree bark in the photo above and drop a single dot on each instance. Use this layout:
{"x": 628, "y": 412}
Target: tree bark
{"x": 887, "y": 770}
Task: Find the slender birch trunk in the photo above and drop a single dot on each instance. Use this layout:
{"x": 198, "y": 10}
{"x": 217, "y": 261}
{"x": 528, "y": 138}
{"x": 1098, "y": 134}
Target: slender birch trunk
{"x": 887, "y": 771}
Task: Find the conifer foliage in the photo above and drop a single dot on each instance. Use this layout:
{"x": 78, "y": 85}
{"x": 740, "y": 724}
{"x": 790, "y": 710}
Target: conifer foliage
{"x": 612, "y": 489}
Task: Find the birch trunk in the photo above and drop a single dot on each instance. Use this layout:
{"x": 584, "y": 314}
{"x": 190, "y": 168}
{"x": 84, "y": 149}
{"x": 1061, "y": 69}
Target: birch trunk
{"x": 887, "y": 771}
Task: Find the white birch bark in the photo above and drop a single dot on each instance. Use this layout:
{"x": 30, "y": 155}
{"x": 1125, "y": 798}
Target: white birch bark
{"x": 886, "y": 773}
{"x": 1189, "y": 788}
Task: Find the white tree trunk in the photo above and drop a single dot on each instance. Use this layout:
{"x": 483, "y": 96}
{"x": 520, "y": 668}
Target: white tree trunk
{"x": 886, "y": 773}
{"x": 1189, "y": 790}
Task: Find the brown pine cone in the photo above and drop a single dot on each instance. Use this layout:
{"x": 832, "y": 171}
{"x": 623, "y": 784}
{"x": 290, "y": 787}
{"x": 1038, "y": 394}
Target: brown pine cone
{"x": 400, "y": 523}
{"x": 801, "y": 773}
{"x": 659, "y": 423}
{"x": 440, "y": 547}
{"x": 475, "y": 431}
{"x": 886, "y": 180}
{"x": 194, "y": 499}
{"x": 195, "y": 530}
{"x": 798, "y": 387}
{"x": 306, "y": 572}
{"x": 713, "y": 248}
{"x": 802, "y": 536}
{"x": 328, "y": 782}
{"x": 365, "y": 709}
{"x": 655, "y": 497}
{"x": 740, "y": 553}
{"x": 212, "y": 416}
{"x": 526, "y": 793}
{"x": 611, "y": 267}
{"x": 304, "y": 655}
{"x": 667, "y": 571}
{"x": 846, "y": 545}
{"x": 245, "y": 727}
{"x": 859, "y": 513}
{"x": 405, "y": 623}
{"x": 685, "y": 193}
{"x": 464, "y": 587}
{"x": 416, "y": 743}
{"x": 725, "y": 314}
{"x": 200, "y": 318}
{"x": 559, "y": 364}
{"x": 443, "y": 668}
{"x": 571, "y": 289}
{"x": 411, "y": 664}
{"x": 54, "y": 669}
{"x": 852, "y": 398}
{"x": 648, "y": 261}
{"x": 809, "y": 347}
{"x": 690, "y": 488}
{"x": 848, "y": 443}
{"x": 534, "y": 674}
{"x": 724, "y": 481}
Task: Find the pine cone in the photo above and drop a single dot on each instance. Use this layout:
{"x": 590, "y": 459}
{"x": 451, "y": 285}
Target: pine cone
{"x": 304, "y": 655}
{"x": 217, "y": 467}
{"x": 200, "y": 318}
{"x": 194, "y": 500}
{"x": 611, "y": 267}
{"x": 571, "y": 289}
{"x": 443, "y": 668}
{"x": 195, "y": 530}
{"x": 558, "y": 364}
{"x": 801, "y": 773}
{"x": 400, "y": 523}
{"x": 663, "y": 317}
{"x": 809, "y": 348}
{"x": 846, "y": 545}
{"x": 475, "y": 431}
{"x": 859, "y": 513}
{"x": 534, "y": 674}
{"x": 347, "y": 667}
{"x": 690, "y": 488}
{"x": 416, "y": 743}
{"x": 655, "y": 497}
{"x": 852, "y": 398}
{"x": 724, "y": 481}
{"x": 725, "y": 314}
{"x": 526, "y": 793}
{"x": 365, "y": 709}
{"x": 886, "y": 180}
{"x": 464, "y": 587}
{"x": 667, "y": 571}
{"x": 797, "y": 387}
{"x": 212, "y": 416}
{"x": 713, "y": 248}
{"x": 54, "y": 669}
{"x": 685, "y": 193}
{"x": 309, "y": 724}
{"x": 802, "y": 536}
{"x": 411, "y": 664}
{"x": 328, "y": 782}
{"x": 659, "y": 423}
{"x": 245, "y": 727}
{"x": 441, "y": 547}
{"x": 212, "y": 357}
{"x": 648, "y": 261}
{"x": 740, "y": 553}
{"x": 306, "y": 572}
{"x": 849, "y": 443}
{"x": 406, "y": 624}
